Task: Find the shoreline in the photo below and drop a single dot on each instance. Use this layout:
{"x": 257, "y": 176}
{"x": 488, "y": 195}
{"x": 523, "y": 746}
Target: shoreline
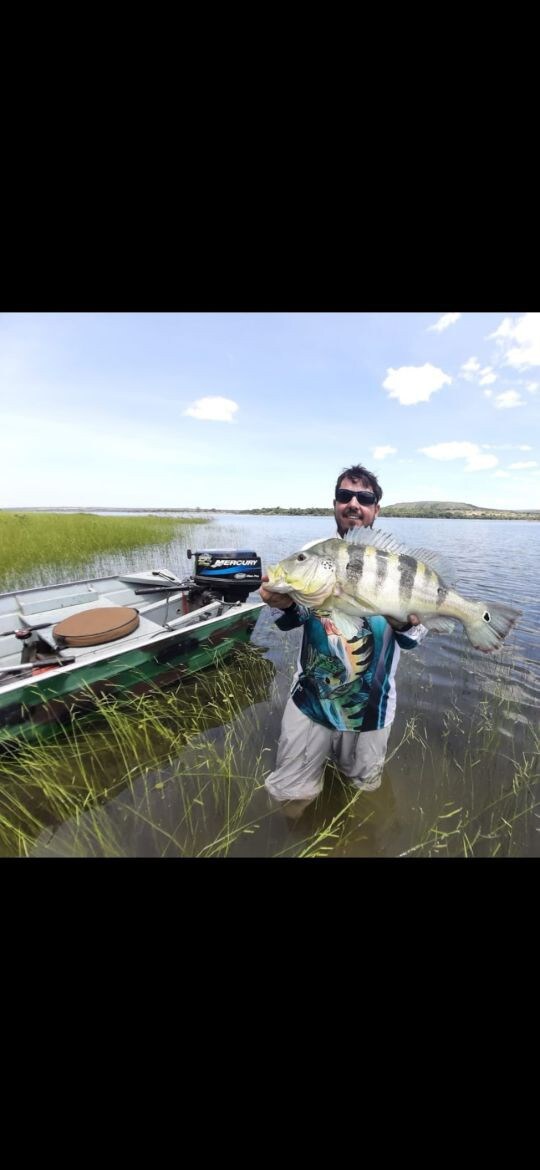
{"x": 385, "y": 514}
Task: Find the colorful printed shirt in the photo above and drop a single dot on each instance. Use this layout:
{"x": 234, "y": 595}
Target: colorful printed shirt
{"x": 346, "y": 667}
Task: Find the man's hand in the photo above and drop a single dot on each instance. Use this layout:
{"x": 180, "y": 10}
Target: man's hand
{"x": 276, "y": 600}
{"x": 412, "y": 620}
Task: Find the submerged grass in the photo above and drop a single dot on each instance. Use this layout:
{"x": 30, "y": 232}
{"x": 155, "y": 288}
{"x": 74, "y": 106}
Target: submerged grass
{"x": 180, "y": 773}
{"x": 29, "y": 540}
{"x": 132, "y": 754}
{"x": 487, "y": 794}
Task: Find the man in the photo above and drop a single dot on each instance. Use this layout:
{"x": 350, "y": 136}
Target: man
{"x": 343, "y": 698}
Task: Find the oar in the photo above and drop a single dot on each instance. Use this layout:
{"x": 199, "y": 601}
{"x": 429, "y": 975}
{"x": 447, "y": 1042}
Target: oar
{"x": 38, "y": 662}
{"x": 163, "y": 589}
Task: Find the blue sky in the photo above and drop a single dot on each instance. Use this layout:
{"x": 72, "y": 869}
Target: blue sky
{"x": 232, "y": 410}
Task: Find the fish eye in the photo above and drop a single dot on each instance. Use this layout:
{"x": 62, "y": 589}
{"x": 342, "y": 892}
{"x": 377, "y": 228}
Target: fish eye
{"x": 301, "y": 557}
{"x": 486, "y": 616}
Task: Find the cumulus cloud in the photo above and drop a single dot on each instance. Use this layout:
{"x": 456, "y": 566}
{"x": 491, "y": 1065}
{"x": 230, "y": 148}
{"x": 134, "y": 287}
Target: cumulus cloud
{"x": 412, "y": 384}
{"x": 508, "y": 399}
{"x": 444, "y": 322}
{"x": 475, "y": 460}
{"x": 487, "y": 376}
{"x": 382, "y": 452}
{"x": 213, "y": 409}
{"x": 524, "y": 333}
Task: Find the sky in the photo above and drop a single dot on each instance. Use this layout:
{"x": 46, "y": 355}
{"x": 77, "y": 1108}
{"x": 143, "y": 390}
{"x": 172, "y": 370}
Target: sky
{"x": 249, "y": 410}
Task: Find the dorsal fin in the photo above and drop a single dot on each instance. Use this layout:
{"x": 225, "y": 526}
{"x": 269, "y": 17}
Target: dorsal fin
{"x": 327, "y": 546}
{"x": 388, "y": 543}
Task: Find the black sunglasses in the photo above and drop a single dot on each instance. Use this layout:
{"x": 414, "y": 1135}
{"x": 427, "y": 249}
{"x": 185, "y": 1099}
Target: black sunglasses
{"x": 344, "y": 496}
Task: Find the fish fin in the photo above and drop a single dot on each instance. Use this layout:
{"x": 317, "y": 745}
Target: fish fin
{"x": 493, "y": 622}
{"x": 439, "y": 625}
{"x": 388, "y": 543}
{"x": 326, "y": 545}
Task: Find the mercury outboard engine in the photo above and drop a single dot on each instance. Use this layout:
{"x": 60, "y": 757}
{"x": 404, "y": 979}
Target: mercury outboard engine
{"x": 230, "y": 574}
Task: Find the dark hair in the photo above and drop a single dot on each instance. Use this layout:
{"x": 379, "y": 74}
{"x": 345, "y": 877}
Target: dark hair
{"x": 359, "y": 472}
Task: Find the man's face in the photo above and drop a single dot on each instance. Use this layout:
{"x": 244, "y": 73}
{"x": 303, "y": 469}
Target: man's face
{"x": 354, "y": 514}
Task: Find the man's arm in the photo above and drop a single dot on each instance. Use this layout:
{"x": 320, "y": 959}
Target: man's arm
{"x": 292, "y": 616}
{"x": 401, "y": 627}
{"x": 275, "y": 600}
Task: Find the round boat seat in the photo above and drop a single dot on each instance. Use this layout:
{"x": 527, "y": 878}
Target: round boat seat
{"x": 94, "y": 626}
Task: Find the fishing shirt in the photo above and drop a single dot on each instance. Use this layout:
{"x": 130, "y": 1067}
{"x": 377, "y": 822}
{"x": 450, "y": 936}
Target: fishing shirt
{"x": 346, "y": 667}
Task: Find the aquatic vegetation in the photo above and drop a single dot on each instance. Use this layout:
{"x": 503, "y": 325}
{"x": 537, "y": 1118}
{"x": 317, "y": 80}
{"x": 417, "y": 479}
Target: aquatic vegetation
{"x": 31, "y": 540}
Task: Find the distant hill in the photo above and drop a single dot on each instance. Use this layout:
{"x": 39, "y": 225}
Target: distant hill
{"x": 450, "y": 510}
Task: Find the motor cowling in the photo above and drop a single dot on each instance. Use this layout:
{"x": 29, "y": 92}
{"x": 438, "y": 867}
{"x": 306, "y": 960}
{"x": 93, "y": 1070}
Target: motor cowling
{"x": 231, "y": 574}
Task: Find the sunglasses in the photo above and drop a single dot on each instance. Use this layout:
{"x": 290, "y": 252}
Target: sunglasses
{"x": 344, "y": 496}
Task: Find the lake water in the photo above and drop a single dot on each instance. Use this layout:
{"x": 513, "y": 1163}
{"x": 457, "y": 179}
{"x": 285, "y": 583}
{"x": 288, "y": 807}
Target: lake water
{"x": 469, "y": 762}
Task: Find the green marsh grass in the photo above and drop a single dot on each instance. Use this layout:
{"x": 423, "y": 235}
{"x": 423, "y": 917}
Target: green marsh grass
{"x": 180, "y": 773}
{"x": 30, "y": 540}
{"x": 135, "y": 753}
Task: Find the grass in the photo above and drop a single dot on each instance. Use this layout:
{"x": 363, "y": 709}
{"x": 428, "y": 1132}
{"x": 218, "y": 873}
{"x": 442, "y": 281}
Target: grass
{"x": 181, "y": 773}
{"x": 486, "y": 799}
{"x": 30, "y": 540}
{"x": 135, "y": 754}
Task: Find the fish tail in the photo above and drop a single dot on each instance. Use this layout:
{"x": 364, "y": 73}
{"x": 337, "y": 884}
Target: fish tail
{"x": 490, "y": 624}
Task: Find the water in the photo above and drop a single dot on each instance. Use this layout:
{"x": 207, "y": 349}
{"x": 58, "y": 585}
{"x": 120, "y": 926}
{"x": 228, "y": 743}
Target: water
{"x": 475, "y": 715}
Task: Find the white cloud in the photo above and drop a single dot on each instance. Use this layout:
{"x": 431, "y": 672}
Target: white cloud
{"x": 502, "y": 475}
{"x": 525, "y": 332}
{"x": 472, "y": 372}
{"x": 444, "y": 322}
{"x": 470, "y": 367}
{"x": 412, "y": 384}
{"x": 508, "y": 399}
{"x": 506, "y": 447}
{"x": 213, "y": 409}
{"x": 532, "y": 387}
{"x": 382, "y": 452}
{"x": 475, "y": 461}
{"x": 526, "y": 463}
{"x": 488, "y": 393}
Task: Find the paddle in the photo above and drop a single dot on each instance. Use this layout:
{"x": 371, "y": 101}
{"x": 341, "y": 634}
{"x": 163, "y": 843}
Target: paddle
{"x": 38, "y": 662}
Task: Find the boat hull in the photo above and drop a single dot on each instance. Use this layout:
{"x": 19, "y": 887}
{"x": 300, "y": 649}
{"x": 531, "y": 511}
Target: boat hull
{"x": 33, "y": 709}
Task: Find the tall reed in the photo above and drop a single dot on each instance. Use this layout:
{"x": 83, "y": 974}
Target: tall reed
{"x": 29, "y": 540}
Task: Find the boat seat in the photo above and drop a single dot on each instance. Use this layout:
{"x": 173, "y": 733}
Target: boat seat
{"x": 10, "y": 650}
{"x": 95, "y": 626}
{"x": 145, "y": 628}
{"x": 9, "y": 622}
{"x": 31, "y": 605}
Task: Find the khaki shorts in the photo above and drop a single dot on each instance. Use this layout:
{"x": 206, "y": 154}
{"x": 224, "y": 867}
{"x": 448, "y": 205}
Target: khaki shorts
{"x": 305, "y": 746}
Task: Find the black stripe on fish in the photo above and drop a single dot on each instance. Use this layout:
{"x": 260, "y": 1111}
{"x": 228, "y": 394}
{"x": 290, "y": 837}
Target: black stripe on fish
{"x": 442, "y": 591}
{"x": 381, "y": 567}
{"x": 355, "y": 566}
{"x": 407, "y": 571}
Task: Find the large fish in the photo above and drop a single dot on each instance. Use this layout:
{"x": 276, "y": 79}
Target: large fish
{"x": 371, "y": 573}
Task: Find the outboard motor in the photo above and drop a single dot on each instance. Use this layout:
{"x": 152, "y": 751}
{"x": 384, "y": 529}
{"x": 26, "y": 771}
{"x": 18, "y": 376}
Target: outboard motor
{"x": 231, "y": 574}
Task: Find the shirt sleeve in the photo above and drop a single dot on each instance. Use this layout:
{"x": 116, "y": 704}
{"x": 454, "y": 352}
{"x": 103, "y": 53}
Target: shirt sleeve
{"x": 292, "y": 617}
{"x": 410, "y": 638}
